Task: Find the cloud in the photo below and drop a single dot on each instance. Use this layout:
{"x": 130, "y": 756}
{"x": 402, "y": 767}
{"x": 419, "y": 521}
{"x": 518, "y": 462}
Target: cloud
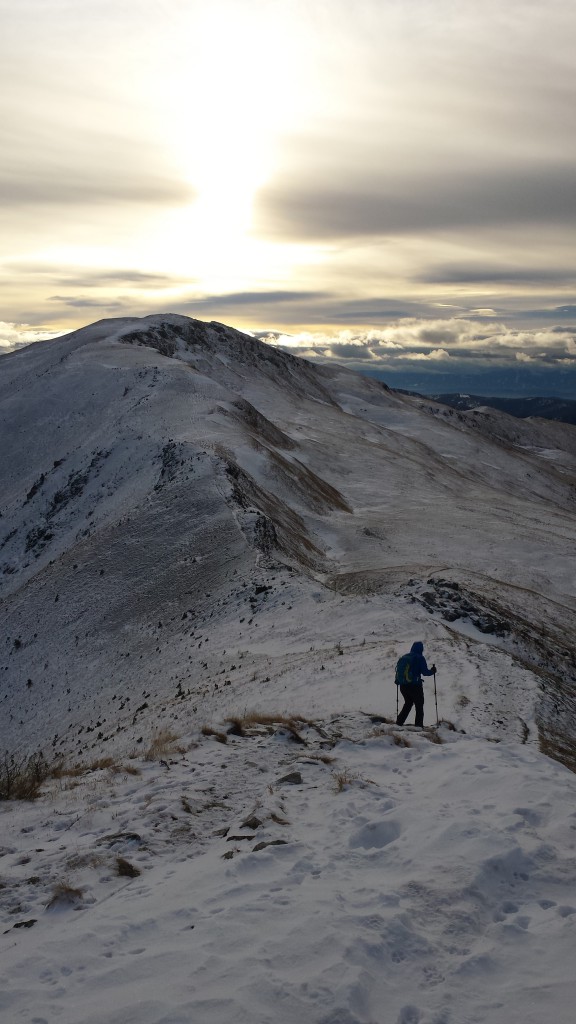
{"x": 495, "y": 274}
{"x": 346, "y": 350}
{"x": 419, "y": 341}
{"x": 69, "y": 190}
{"x": 88, "y": 277}
{"x": 77, "y": 302}
{"x": 14, "y": 335}
{"x": 436, "y": 355}
{"x": 231, "y": 300}
{"x": 130, "y": 277}
{"x": 418, "y": 202}
{"x": 556, "y": 312}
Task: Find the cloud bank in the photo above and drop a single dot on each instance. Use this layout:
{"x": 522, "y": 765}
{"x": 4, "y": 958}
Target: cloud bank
{"x": 13, "y": 336}
{"x": 410, "y": 341}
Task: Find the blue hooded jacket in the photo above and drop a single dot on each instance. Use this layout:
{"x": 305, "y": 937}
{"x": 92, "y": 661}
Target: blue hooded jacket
{"x": 420, "y": 668}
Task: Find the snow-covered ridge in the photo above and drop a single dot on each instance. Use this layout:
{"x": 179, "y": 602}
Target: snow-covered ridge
{"x": 160, "y": 470}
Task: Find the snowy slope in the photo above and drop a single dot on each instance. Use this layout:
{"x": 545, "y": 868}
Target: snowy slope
{"x": 195, "y": 526}
{"x": 161, "y": 472}
{"x": 425, "y": 883}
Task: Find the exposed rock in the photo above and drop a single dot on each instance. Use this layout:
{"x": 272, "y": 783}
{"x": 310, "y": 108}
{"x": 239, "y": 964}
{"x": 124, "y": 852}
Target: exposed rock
{"x": 273, "y": 842}
{"x": 253, "y": 822}
{"x": 293, "y": 779}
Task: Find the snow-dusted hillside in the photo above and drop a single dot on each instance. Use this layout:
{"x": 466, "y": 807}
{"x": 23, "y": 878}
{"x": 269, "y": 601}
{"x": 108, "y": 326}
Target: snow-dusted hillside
{"x": 158, "y": 474}
{"x": 196, "y": 526}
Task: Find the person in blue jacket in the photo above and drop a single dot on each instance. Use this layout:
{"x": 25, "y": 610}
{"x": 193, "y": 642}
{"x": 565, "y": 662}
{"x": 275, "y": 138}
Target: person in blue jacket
{"x": 412, "y": 689}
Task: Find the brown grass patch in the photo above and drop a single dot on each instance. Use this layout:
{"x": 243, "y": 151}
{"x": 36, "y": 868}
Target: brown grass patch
{"x": 63, "y": 771}
{"x": 399, "y": 740}
{"x": 162, "y": 744}
{"x": 207, "y": 730}
{"x": 324, "y": 758}
{"x": 22, "y": 778}
{"x": 247, "y": 724}
{"x": 126, "y": 869}
{"x": 84, "y": 860}
{"x": 434, "y": 737}
{"x": 343, "y": 779}
{"x": 64, "y": 895}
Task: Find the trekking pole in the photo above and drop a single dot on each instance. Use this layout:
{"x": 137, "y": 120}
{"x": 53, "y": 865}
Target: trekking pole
{"x": 436, "y": 699}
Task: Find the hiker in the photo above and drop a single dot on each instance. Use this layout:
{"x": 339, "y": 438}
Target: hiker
{"x": 409, "y": 672}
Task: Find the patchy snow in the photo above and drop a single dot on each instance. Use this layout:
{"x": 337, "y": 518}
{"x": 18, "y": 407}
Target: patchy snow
{"x": 554, "y": 454}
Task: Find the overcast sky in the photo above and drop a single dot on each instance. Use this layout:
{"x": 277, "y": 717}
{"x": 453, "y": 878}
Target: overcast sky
{"x": 394, "y": 175}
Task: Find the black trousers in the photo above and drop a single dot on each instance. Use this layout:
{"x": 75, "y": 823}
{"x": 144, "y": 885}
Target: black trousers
{"x": 413, "y": 694}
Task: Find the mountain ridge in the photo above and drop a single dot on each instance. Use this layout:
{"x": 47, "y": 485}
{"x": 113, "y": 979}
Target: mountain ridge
{"x": 162, "y": 470}
{"x": 550, "y": 408}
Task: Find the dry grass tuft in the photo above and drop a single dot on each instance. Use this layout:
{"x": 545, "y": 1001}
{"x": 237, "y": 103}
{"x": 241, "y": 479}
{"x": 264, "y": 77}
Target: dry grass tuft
{"x": 162, "y": 744}
{"x": 85, "y": 860}
{"x": 126, "y": 769}
{"x": 64, "y": 895}
{"x": 101, "y": 764}
{"x": 22, "y": 778}
{"x": 207, "y": 730}
{"x": 63, "y": 771}
{"x": 279, "y": 821}
{"x": 126, "y": 869}
{"x": 236, "y": 726}
{"x": 245, "y": 724}
{"x": 447, "y": 725}
{"x": 434, "y": 737}
{"x": 399, "y": 740}
{"x": 324, "y": 758}
{"x": 343, "y": 779}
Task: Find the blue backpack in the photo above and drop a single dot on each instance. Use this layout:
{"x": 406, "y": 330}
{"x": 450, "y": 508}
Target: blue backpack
{"x": 406, "y": 670}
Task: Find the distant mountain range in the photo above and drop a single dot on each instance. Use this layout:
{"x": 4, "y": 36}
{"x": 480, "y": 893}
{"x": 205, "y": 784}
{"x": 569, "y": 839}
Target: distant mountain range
{"x": 561, "y": 409}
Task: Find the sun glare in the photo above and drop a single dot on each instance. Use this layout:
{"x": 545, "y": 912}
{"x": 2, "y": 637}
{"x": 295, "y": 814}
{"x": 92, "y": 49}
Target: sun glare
{"x": 227, "y": 106}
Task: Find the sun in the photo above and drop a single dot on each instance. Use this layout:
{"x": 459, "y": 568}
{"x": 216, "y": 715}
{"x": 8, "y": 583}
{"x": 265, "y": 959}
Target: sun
{"x": 224, "y": 109}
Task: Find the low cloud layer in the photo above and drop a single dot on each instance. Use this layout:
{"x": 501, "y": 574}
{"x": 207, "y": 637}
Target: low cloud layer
{"x": 13, "y": 336}
{"x": 406, "y": 342}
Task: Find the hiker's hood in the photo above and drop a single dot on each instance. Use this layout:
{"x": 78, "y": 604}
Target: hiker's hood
{"x": 417, "y": 648}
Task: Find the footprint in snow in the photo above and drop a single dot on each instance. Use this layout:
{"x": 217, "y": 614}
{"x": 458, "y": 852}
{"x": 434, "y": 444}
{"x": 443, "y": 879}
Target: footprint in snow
{"x": 375, "y": 835}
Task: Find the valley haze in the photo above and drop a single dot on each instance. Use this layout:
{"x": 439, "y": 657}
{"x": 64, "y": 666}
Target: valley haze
{"x": 201, "y": 532}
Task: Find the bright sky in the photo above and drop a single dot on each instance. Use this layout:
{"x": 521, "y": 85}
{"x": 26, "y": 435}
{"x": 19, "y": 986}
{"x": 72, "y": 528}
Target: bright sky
{"x": 327, "y": 167}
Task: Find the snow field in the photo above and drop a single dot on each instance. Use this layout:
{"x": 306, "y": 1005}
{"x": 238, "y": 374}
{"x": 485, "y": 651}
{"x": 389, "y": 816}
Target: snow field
{"x": 426, "y": 883}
